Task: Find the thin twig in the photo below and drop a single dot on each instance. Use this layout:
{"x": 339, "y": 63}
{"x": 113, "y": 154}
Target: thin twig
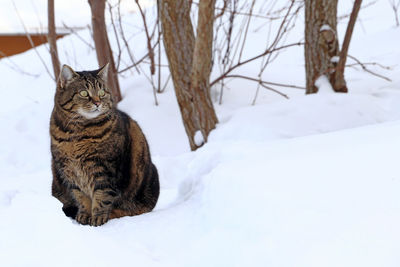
{"x": 274, "y": 90}
{"x": 159, "y": 46}
{"x": 283, "y": 28}
{"x": 73, "y": 31}
{"x": 131, "y": 56}
{"x": 363, "y": 66}
{"x": 166, "y": 83}
{"x": 223, "y": 10}
{"x": 247, "y": 29}
{"x": 252, "y": 59}
{"x": 149, "y": 47}
{"x": 14, "y": 66}
{"x": 395, "y": 7}
{"x": 137, "y": 63}
{"x": 265, "y": 82}
{"x": 256, "y": 94}
{"x": 150, "y": 79}
{"x": 116, "y": 36}
{"x": 364, "y": 6}
{"x": 31, "y": 42}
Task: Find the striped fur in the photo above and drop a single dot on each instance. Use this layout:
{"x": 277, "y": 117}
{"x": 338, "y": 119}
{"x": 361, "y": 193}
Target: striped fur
{"x": 101, "y": 162}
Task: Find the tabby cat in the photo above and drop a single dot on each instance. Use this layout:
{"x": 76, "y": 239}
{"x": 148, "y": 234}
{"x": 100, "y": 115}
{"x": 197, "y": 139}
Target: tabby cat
{"x": 100, "y": 158}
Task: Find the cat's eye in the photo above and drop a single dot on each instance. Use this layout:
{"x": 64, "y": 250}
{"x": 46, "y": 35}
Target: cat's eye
{"x": 102, "y": 93}
{"x": 83, "y": 93}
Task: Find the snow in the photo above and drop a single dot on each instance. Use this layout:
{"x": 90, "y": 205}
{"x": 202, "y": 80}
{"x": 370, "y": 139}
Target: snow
{"x": 198, "y": 138}
{"x": 323, "y": 85}
{"x": 335, "y": 59}
{"x": 325, "y": 27}
{"x": 307, "y": 181}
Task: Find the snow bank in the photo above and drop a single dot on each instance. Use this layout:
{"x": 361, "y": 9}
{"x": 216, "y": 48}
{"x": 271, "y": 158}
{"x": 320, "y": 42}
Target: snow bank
{"x": 326, "y": 200}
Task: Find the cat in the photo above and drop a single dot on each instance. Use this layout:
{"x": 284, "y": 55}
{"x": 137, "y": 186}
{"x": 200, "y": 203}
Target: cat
{"x": 101, "y": 162}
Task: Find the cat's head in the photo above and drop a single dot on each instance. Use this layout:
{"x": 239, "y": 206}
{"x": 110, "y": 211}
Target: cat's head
{"x": 84, "y": 92}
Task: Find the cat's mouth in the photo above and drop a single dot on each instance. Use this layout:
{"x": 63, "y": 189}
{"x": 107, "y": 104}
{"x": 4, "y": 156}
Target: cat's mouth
{"x": 96, "y": 111}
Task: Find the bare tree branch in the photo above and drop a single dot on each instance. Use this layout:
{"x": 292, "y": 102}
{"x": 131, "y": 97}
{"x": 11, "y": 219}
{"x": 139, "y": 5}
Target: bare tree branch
{"x": 266, "y": 52}
{"x": 363, "y": 66}
{"x": 265, "y": 82}
{"x": 131, "y": 56}
{"x": 52, "y": 38}
{"x": 14, "y": 66}
{"x": 149, "y": 47}
{"x": 137, "y": 63}
{"x": 395, "y": 6}
{"x": 339, "y": 83}
{"x": 73, "y": 31}
{"x": 31, "y": 42}
{"x": 116, "y": 35}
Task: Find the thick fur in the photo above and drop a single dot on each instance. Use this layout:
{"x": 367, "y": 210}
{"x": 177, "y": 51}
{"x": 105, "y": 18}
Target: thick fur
{"x": 101, "y": 162}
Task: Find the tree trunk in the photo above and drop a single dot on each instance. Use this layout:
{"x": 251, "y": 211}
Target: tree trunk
{"x": 321, "y": 42}
{"x": 52, "y": 38}
{"x": 190, "y": 64}
{"x": 339, "y": 83}
{"x": 201, "y": 68}
{"x": 103, "y": 48}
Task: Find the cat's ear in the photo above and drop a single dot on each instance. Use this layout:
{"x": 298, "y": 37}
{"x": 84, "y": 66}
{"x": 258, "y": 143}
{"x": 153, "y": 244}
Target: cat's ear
{"x": 67, "y": 74}
{"x": 103, "y": 72}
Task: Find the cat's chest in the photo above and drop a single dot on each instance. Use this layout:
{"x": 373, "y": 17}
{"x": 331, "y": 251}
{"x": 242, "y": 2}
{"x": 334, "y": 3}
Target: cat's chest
{"x": 80, "y": 145}
{"x": 79, "y": 168}
{"x": 78, "y": 150}
{"x": 81, "y": 176}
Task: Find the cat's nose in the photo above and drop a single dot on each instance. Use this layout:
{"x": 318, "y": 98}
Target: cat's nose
{"x": 96, "y": 101}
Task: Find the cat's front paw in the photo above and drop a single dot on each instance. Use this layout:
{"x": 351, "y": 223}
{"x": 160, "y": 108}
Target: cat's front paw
{"x": 83, "y": 218}
{"x": 99, "y": 219}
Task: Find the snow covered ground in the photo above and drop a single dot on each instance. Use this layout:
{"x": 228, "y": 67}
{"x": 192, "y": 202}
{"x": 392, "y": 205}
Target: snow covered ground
{"x": 309, "y": 181}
